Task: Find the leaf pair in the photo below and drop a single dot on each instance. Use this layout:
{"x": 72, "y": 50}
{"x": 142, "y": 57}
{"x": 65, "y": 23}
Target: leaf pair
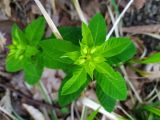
{"x": 24, "y": 52}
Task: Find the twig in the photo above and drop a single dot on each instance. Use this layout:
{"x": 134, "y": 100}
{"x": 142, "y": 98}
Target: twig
{"x": 130, "y": 84}
{"x": 49, "y": 20}
{"x": 125, "y": 112}
{"x": 79, "y": 11}
{"x": 118, "y": 19}
{"x": 7, "y": 113}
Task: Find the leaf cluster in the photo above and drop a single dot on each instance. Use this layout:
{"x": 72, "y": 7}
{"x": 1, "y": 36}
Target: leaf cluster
{"x": 84, "y": 54}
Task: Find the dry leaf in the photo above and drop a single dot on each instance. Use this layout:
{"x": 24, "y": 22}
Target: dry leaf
{"x": 139, "y": 3}
{"x": 35, "y": 113}
{"x": 5, "y": 7}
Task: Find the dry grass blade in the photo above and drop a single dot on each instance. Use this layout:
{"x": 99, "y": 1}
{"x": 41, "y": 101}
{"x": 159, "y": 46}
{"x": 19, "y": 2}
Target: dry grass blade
{"x": 5, "y": 105}
{"x": 35, "y": 113}
{"x": 142, "y": 29}
{"x": 49, "y": 20}
{"x": 91, "y": 104}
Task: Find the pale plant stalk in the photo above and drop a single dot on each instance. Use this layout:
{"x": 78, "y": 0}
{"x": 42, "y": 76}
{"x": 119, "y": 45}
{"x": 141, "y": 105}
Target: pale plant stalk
{"x": 118, "y": 19}
{"x": 84, "y": 113}
{"x": 49, "y": 20}
{"x": 93, "y": 105}
{"x": 47, "y": 98}
{"x": 53, "y": 6}
{"x": 79, "y": 11}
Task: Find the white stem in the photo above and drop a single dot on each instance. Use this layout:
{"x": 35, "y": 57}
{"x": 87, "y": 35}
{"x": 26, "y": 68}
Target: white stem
{"x": 79, "y": 11}
{"x": 49, "y": 20}
{"x": 84, "y": 113}
{"x": 113, "y": 20}
{"x": 93, "y": 105}
{"x": 118, "y": 19}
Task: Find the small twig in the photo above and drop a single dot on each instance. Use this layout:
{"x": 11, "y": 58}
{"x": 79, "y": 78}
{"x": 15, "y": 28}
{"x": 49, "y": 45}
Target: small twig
{"x": 79, "y": 11}
{"x": 118, "y": 19}
{"x": 49, "y": 20}
{"x": 27, "y": 98}
{"x": 7, "y": 113}
{"x": 130, "y": 84}
{"x": 125, "y": 112}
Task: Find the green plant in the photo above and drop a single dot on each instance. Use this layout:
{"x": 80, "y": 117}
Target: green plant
{"x": 83, "y": 54}
{"x": 89, "y": 57}
{"x": 25, "y": 52}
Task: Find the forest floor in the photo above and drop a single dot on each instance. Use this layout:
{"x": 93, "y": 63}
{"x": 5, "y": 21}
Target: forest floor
{"x": 141, "y": 22}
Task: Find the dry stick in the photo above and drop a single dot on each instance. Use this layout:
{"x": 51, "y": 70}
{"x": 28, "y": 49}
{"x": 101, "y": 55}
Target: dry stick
{"x": 118, "y": 19}
{"x": 79, "y": 11}
{"x": 49, "y": 20}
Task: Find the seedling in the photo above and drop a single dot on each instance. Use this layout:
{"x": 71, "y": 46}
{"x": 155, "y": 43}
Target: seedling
{"x": 83, "y": 54}
{"x": 25, "y": 53}
{"x": 89, "y": 57}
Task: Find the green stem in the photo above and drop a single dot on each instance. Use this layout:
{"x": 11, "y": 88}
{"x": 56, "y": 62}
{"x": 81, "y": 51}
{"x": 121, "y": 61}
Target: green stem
{"x": 47, "y": 98}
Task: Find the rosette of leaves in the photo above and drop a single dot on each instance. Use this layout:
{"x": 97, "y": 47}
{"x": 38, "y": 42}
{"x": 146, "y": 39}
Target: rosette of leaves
{"x": 25, "y": 52}
{"x": 85, "y": 55}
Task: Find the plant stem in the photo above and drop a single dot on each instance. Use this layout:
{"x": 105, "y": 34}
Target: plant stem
{"x": 46, "y": 98}
{"x": 79, "y": 11}
{"x": 84, "y": 113}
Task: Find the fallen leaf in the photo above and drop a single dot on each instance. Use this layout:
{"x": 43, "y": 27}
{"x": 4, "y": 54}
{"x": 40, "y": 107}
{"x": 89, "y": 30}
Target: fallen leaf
{"x": 139, "y": 3}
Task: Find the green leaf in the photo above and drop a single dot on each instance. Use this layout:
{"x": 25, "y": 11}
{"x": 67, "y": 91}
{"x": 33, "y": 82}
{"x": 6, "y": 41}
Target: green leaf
{"x": 77, "y": 80}
{"x": 72, "y": 34}
{"x": 33, "y": 69}
{"x": 155, "y": 58}
{"x": 111, "y": 82}
{"x": 98, "y": 29}
{"x": 115, "y": 46}
{"x": 87, "y": 39}
{"x": 106, "y": 101}
{"x": 124, "y": 56}
{"x": 89, "y": 67}
{"x": 17, "y": 35}
{"x": 66, "y": 99}
{"x": 35, "y": 31}
{"x": 93, "y": 115}
{"x": 54, "y": 49}
{"x": 14, "y": 64}
{"x": 72, "y": 55}
{"x": 153, "y": 110}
